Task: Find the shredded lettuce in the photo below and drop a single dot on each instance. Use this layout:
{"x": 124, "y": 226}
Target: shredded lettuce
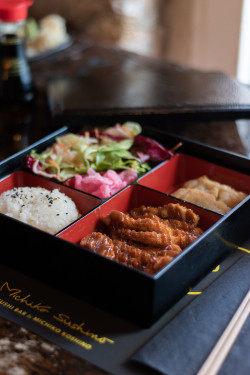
{"x": 74, "y": 154}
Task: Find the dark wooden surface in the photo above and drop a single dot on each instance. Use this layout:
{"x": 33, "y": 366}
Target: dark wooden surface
{"x": 21, "y": 126}
{"x": 26, "y": 353}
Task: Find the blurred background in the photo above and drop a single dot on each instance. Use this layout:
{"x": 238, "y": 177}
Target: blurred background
{"x": 206, "y": 35}
{"x": 203, "y": 34}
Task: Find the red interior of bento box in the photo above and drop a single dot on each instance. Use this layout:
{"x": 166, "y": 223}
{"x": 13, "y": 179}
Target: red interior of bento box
{"x": 84, "y": 202}
{"x": 132, "y": 197}
{"x": 171, "y": 175}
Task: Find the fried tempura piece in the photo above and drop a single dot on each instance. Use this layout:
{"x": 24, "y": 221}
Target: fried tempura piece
{"x": 201, "y": 198}
{"x": 210, "y": 194}
{"x": 221, "y": 192}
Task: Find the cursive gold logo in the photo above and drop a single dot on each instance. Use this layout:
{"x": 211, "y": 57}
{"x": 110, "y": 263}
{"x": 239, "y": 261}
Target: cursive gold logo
{"x": 65, "y": 319}
{"x": 18, "y": 296}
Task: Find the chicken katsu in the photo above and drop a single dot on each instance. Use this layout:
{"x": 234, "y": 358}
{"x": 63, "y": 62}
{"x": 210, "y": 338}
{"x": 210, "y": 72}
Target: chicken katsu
{"x": 147, "y": 237}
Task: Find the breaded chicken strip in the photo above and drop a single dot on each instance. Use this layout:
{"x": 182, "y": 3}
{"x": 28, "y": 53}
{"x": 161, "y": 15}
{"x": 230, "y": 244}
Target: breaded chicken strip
{"x": 124, "y": 253}
{"x": 171, "y": 210}
{"x": 147, "y": 238}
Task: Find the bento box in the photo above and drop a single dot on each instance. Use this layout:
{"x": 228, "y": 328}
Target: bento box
{"x": 60, "y": 261}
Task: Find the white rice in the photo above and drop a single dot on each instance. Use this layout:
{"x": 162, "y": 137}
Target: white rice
{"x": 48, "y": 210}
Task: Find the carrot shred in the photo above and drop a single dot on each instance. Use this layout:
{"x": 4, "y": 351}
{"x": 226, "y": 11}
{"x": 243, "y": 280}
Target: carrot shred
{"x": 64, "y": 148}
{"x": 55, "y": 164}
{"x": 127, "y": 131}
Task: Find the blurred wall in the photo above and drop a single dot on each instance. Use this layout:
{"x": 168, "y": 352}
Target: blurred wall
{"x": 203, "y": 34}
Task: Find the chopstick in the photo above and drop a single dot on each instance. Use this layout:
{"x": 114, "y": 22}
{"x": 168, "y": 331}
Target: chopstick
{"x": 215, "y": 359}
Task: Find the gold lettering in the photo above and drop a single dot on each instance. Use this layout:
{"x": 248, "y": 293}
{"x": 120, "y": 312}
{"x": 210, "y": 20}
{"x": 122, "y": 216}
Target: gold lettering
{"x": 77, "y": 341}
{"x": 6, "y": 304}
{"x": 15, "y": 294}
{"x": 65, "y": 319}
{"x": 46, "y": 324}
{"x": 21, "y": 312}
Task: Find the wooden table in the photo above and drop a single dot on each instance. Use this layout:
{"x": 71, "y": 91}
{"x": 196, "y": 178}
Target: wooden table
{"x": 21, "y": 126}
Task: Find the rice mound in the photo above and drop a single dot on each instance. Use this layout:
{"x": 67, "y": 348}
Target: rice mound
{"x": 47, "y": 210}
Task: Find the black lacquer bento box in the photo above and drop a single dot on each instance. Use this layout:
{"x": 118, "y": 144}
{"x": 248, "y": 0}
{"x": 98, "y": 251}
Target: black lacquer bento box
{"x": 59, "y": 261}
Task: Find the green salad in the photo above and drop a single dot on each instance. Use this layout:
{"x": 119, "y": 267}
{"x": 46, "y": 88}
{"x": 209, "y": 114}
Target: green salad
{"x": 73, "y": 154}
